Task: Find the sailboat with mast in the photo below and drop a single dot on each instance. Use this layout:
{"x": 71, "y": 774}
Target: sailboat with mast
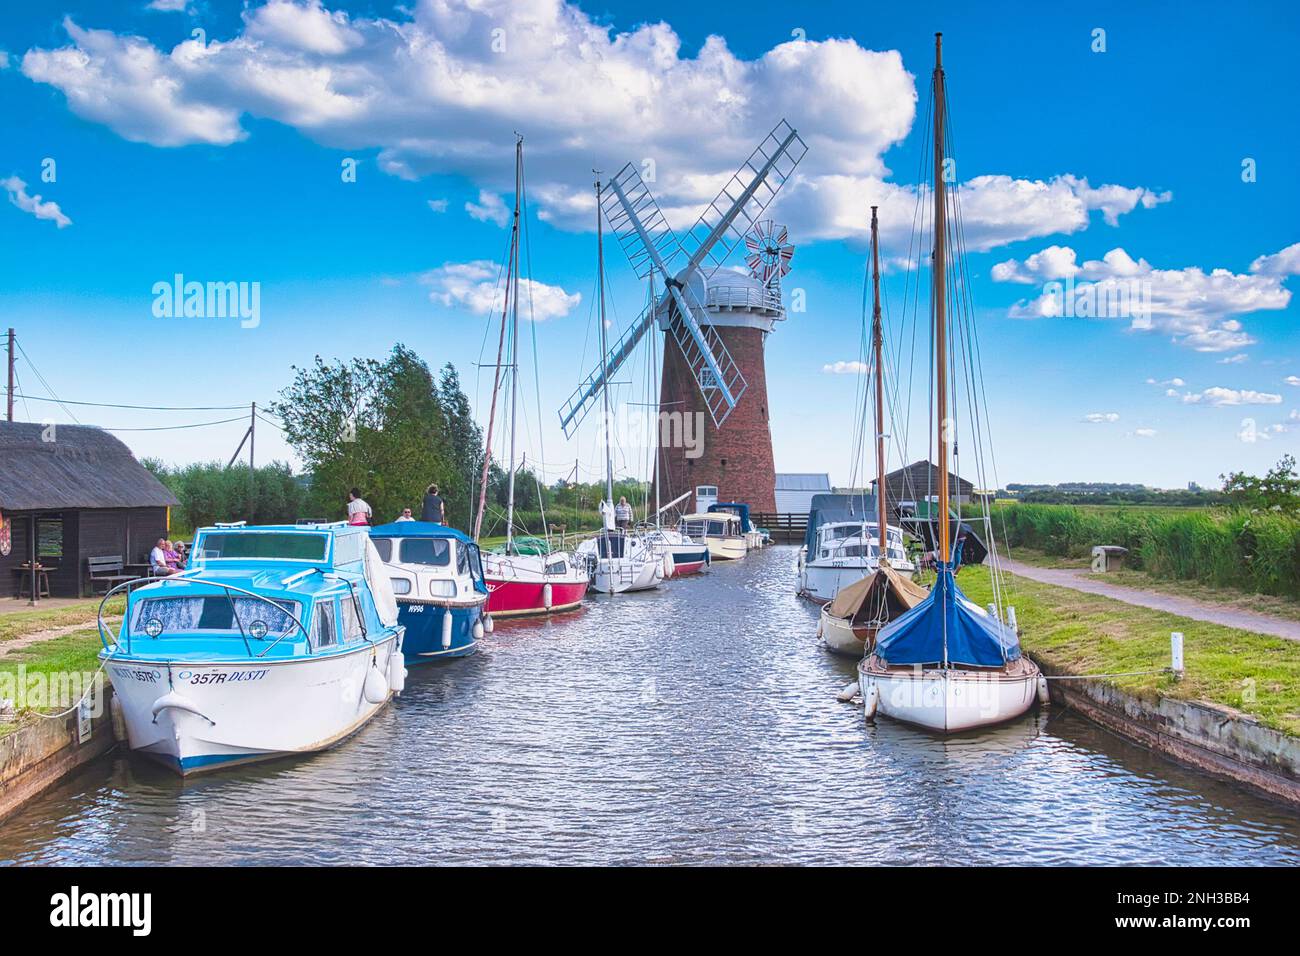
{"x": 947, "y": 664}
{"x": 521, "y": 584}
{"x": 856, "y": 611}
{"x": 620, "y": 560}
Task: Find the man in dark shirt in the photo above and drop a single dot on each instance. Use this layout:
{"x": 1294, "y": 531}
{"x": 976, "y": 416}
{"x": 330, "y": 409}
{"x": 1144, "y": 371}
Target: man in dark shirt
{"x": 434, "y": 509}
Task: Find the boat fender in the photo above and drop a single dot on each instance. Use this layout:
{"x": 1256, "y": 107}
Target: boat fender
{"x": 119, "y": 718}
{"x": 820, "y": 625}
{"x": 479, "y": 628}
{"x": 397, "y": 671}
{"x": 847, "y": 693}
{"x": 375, "y": 687}
{"x": 446, "y": 628}
{"x": 546, "y": 596}
{"x": 870, "y": 701}
{"x": 488, "y": 624}
{"x": 1044, "y": 695}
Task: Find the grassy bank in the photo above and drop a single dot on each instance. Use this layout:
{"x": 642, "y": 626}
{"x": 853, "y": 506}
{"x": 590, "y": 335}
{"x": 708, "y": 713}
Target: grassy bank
{"x": 1089, "y": 634}
{"x": 46, "y": 666}
{"x": 1221, "y": 548}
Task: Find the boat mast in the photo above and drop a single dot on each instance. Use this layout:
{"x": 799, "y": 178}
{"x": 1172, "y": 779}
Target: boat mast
{"x": 512, "y": 292}
{"x": 877, "y": 345}
{"x": 654, "y": 474}
{"x": 940, "y": 304}
{"x": 600, "y": 284}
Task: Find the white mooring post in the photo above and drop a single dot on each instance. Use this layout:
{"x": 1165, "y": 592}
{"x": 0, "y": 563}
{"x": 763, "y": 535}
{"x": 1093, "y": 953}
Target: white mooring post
{"x": 1176, "y": 653}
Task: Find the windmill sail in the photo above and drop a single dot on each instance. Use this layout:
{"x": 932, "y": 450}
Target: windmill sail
{"x": 651, "y": 246}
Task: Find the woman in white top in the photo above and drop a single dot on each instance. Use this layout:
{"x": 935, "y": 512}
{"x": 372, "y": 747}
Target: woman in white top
{"x": 358, "y": 511}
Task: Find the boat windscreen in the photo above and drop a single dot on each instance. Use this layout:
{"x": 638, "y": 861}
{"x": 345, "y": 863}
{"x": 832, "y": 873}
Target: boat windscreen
{"x": 385, "y": 548}
{"x": 184, "y": 615}
{"x": 434, "y": 551}
{"x": 286, "y": 545}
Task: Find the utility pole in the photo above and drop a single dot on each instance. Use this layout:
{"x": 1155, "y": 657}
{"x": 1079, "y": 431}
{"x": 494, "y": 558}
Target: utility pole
{"x": 10, "y": 392}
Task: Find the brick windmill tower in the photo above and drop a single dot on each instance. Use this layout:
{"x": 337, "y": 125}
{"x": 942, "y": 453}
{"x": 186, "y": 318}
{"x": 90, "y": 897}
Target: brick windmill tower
{"x": 715, "y": 321}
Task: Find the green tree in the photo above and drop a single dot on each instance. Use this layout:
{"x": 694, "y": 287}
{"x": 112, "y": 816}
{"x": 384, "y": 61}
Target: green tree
{"x": 1278, "y": 490}
{"x": 376, "y": 426}
{"x": 465, "y": 446}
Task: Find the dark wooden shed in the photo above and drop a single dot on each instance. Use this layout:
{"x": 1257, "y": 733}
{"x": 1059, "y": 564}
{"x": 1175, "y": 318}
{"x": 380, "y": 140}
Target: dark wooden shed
{"x": 79, "y": 493}
{"x": 916, "y": 483}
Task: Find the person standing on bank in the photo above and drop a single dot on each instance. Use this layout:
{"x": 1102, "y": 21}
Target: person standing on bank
{"x": 359, "y": 512}
{"x": 435, "y": 509}
{"x": 623, "y": 513}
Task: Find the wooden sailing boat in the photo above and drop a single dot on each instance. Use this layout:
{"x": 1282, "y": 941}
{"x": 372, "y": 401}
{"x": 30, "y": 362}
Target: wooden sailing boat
{"x": 947, "y": 664}
{"x": 855, "y": 613}
{"x": 521, "y": 584}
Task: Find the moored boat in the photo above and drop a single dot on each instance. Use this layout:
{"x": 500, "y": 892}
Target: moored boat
{"x": 948, "y": 664}
{"x": 849, "y": 624}
{"x": 681, "y": 555}
{"x": 719, "y": 531}
{"x": 755, "y": 537}
{"x": 436, "y": 574}
{"x": 621, "y": 561}
{"x": 276, "y": 640}
{"x": 521, "y": 585}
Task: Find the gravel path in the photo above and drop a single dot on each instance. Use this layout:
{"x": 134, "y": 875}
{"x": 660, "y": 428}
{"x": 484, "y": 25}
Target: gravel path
{"x": 1080, "y": 579}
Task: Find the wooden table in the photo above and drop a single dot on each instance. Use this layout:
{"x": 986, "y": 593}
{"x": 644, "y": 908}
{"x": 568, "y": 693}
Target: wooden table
{"x": 40, "y": 578}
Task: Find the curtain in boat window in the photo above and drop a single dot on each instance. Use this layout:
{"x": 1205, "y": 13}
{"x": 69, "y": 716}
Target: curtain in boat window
{"x": 180, "y": 615}
{"x": 324, "y": 627}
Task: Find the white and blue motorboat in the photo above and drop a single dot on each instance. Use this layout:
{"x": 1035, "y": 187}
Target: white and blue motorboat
{"x": 276, "y": 640}
{"x": 437, "y": 577}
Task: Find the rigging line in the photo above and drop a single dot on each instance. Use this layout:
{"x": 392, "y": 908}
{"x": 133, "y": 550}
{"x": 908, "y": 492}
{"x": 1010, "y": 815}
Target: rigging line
{"x": 41, "y": 378}
{"x": 169, "y": 428}
{"x": 141, "y": 408}
{"x": 26, "y": 407}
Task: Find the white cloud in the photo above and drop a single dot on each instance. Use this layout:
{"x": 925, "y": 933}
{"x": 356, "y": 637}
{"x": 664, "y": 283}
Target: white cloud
{"x": 845, "y": 368}
{"x": 17, "y": 190}
{"x": 438, "y": 205}
{"x": 168, "y": 6}
{"x": 1175, "y": 381}
{"x": 475, "y": 286}
{"x": 1145, "y": 432}
{"x": 1284, "y": 263}
{"x": 489, "y": 208}
{"x": 1217, "y": 395}
{"x": 1099, "y": 418}
{"x": 1235, "y": 359}
{"x": 1191, "y": 306}
{"x": 1250, "y": 432}
{"x": 1292, "y": 380}
{"x": 4, "y": 60}
{"x": 428, "y": 90}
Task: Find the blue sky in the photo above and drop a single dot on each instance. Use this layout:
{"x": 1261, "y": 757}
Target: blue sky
{"x": 221, "y": 161}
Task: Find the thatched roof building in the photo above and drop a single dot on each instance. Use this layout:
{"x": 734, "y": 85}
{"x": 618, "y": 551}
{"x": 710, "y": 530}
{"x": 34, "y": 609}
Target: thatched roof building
{"x": 71, "y": 492}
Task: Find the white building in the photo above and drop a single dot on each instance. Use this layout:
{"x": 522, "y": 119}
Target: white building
{"x": 794, "y": 491}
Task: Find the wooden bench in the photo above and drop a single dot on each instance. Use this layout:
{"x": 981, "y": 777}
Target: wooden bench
{"x": 106, "y": 570}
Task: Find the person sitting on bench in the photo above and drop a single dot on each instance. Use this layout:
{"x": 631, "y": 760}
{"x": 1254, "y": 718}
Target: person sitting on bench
{"x": 158, "y": 565}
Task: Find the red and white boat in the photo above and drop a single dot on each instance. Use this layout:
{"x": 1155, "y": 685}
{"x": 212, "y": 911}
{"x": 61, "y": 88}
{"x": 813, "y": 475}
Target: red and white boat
{"x": 523, "y": 584}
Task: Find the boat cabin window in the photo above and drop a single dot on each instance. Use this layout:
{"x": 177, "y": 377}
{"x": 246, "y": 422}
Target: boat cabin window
{"x": 693, "y": 529}
{"x": 181, "y": 615}
{"x": 475, "y": 561}
{"x": 284, "y": 545}
{"x": 351, "y": 617}
{"x": 462, "y": 560}
{"x": 324, "y": 629}
{"x": 385, "y": 548}
{"x": 558, "y": 566}
{"x": 611, "y": 545}
{"x": 401, "y": 586}
{"x": 717, "y": 528}
{"x": 431, "y": 551}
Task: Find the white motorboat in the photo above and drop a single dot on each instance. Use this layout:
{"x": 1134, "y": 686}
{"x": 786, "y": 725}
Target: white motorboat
{"x": 719, "y": 531}
{"x": 844, "y": 552}
{"x": 622, "y": 561}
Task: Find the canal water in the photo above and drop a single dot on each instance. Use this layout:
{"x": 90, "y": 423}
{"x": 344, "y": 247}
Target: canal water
{"x": 697, "y": 724}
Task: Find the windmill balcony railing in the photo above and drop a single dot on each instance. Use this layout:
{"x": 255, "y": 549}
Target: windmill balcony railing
{"x": 744, "y": 297}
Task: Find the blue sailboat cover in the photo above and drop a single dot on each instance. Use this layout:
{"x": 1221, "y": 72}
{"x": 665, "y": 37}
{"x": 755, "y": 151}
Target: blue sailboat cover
{"x": 947, "y": 627}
